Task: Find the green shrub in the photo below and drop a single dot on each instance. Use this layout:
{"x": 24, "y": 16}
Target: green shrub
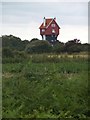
{"x": 7, "y": 52}
{"x": 38, "y": 46}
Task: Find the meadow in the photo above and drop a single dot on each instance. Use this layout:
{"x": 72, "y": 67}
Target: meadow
{"x": 45, "y": 86}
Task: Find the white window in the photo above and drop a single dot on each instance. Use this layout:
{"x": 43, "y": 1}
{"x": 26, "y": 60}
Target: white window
{"x": 52, "y": 40}
{"x": 43, "y": 30}
{"x": 53, "y": 31}
{"x": 53, "y": 25}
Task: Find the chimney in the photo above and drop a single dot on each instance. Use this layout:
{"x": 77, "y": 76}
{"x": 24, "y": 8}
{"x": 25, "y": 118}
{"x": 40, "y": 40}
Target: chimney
{"x": 55, "y": 18}
{"x": 44, "y": 22}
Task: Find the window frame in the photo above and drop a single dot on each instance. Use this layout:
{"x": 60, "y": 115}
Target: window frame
{"x": 53, "y": 25}
{"x": 53, "y": 31}
{"x": 43, "y": 30}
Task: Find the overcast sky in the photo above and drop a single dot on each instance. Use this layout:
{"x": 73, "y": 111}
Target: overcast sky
{"x": 23, "y": 19}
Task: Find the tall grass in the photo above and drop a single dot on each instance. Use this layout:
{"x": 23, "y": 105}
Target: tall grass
{"x": 46, "y": 86}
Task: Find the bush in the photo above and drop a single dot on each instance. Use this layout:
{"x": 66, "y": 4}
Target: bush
{"x": 38, "y": 46}
{"x": 7, "y": 52}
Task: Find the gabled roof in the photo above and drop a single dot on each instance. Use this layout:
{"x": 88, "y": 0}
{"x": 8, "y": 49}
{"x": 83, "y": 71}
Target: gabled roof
{"x": 48, "y": 22}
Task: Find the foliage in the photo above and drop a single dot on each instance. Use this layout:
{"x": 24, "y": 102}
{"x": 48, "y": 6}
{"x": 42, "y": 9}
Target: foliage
{"x": 58, "y": 47}
{"x": 38, "y": 46}
{"x": 34, "y": 39}
{"x": 49, "y": 85}
{"x": 46, "y": 89}
{"x": 7, "y": 52}
{"x": 14, "y": 43}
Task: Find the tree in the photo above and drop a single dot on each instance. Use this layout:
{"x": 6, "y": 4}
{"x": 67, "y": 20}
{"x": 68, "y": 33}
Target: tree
{"x": 7, "y": 52}
{"x": 14, "y": 43}
{"x": 34, "y": 39}
{"x": 73, "y": 46}
{"x": 58, "y": 47}
{"x": 38, "y": 46}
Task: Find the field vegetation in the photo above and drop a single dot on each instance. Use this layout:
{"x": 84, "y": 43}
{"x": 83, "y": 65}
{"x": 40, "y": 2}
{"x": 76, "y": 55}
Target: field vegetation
{"x": 44, "y": 85}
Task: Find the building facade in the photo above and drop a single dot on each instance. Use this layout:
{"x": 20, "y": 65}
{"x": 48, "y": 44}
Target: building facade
{"x": 49, "y": 30}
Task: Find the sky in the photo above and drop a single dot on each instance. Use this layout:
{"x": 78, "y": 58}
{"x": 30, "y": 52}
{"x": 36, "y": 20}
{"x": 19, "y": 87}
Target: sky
{"x": 23, "y": 19}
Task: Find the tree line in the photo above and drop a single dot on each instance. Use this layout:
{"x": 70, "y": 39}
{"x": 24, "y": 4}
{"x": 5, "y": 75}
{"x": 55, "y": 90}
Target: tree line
{"x": 12, "y": 44}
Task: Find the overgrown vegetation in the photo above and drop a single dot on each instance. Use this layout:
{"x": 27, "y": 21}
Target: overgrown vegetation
{"x": 39, "y": 46}
{"x": 46, "y": 85}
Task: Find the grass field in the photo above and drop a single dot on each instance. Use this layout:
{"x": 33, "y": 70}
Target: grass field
{"x": 46, "y": 86}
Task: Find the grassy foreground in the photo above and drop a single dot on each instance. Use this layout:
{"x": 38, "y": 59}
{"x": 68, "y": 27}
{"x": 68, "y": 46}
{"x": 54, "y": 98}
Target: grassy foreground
{"x": 45, "y": 87}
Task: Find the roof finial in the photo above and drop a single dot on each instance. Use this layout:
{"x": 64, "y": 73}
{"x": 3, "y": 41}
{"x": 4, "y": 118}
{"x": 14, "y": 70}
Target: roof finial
{"x": 55, "y": 18}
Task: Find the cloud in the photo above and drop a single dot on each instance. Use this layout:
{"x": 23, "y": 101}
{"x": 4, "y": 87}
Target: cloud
{"x": 69, "y": 32}
{"x": 24, "y": 31}
{"x": 76, "y": 13}
{"x": 24, "y": 19}
{"x": 31, "y": 30}
{"x": 45, "y": 1}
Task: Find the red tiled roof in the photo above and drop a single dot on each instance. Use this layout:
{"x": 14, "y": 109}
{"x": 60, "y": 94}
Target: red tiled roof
{"x": 47, "y": 23}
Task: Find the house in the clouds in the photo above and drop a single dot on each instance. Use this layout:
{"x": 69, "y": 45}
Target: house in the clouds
{"x": 49, "y": 30}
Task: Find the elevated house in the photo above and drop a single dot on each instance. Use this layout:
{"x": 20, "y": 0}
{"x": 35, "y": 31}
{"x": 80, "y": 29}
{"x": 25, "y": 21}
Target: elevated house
{"x": 49, "y": 30}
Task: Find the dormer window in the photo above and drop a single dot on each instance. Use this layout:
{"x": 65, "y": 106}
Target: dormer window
{"x": 53, "y": 25}
{"x": 53, "y": 31}
{"x": 43, "y": 30}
